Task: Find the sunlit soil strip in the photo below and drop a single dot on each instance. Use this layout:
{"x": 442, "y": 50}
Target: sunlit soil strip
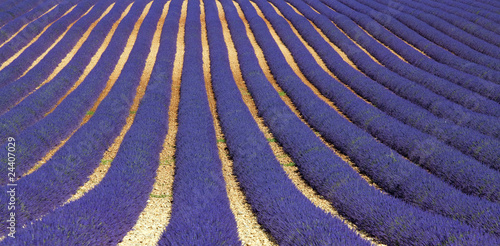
{"x": 8, "y": 61}
{"x": 153, "y": 219}
{"x": 112, "y": 79}
{"x": 72, "y": 53}
{"x": 22, "y": 28}
{"x": 288, "y": 166}
{"x": 392, "y": 34}
{"x": 288, "y": 55}
{"x": 249, "y": 231}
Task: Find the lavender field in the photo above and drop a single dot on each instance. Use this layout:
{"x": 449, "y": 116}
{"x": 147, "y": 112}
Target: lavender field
{"x": 250, "y": 122}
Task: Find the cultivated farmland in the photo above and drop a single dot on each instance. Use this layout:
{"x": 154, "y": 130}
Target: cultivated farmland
{"x": 250, "y": 122}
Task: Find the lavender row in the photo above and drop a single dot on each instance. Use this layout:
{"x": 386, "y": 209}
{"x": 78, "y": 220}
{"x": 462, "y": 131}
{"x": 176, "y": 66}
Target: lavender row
{"x": 415, "y": 179}
{"x": 19, "y": 9}
{"x": 435, "y": 36}
{"x": 489, "y": 3}
{"x": 285, "y": 212}
{"x": 13, "y": 26}
{"x": 18, "y": 118}
{"x": 484, "y": 148}
{"x": 8, "y": 5}
{"x": 54, "y": 182}
{"x": 434, "y": 51}
{"x": 487, "y": 24}
{"x": 409, "y": 90}
{"x": 48, "y": 132}
{"x": 469, "y": 7}
{"x": 105, "y": 214}
{"x": 483, "y": 87}
{"x": 437, "y": 85}
{"x": 33, "y": 29}
{"x": 438, "y": 105}
{"x": 388, "y": 219}
{"x": 450, "y": 86}
{"x": 15, "y": 69}
{"x": 200, "y": 211}
{"x": 405, "y": 141}
{"x": 461, "y": 23}
{"x": 446, "y": 31}
{"x": 13, "y": 92}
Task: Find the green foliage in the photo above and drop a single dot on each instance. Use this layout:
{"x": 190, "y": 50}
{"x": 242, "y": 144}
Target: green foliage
{"x": 291, "y": 164}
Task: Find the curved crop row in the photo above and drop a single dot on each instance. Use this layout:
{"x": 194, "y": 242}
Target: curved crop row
{"x": 422, "y": 76}
{"x": 488, "y": 3}
{"x": 491, "y": 146}
{"x": 35, "y": 28}
{"x": 484, "y": 4}
{"x": 438, "y": 105}
{"x": 437, "y": 85}
{"x": 485, "y": 88}
{"x": 43, "y": 135}
{"x": 486, "y": 23}
{"x": 83, "y": 20}
{"x": 199, "y": 191}
{"x": 19, "y": 9}
{"x": 7, "y": 5}
{"x": 416, "y": 179}
{"x": 434, "y": 51}
{"x": 15, "y": 91}
{"x": 109, "y": 211}
{"x": 288, "y": 215}
{"x": 473, "y": 9}
{"x": 435, "y": 36}
{"x": 389, "y": 219}
{"x": 407, "y": 89}
{"x": 38, "y": 12}
{"x": 54, "y": 182}
{"x": 365, "y": 116}
{"x": 447, "y": 31}
{"x": 459, "y": 23}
